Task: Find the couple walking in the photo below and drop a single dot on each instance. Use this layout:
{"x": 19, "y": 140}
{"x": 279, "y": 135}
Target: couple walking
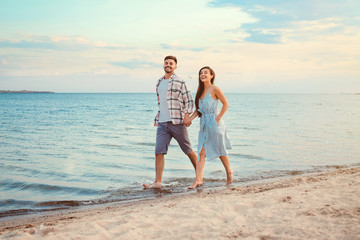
{"x": 175, "y": 115}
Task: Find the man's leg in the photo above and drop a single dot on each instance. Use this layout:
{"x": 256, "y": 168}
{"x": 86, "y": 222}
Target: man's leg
{"x": 180, "y": 133}
{"x": 159, "y": 169}
{"x": 193, "y": 158}
{"x": 163, "y": 139}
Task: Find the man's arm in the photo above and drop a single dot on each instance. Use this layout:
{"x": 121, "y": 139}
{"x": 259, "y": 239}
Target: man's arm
{"x": 187, "y": 98}
{"x": 189, "y": 104}
{"x": 187, "y": 120}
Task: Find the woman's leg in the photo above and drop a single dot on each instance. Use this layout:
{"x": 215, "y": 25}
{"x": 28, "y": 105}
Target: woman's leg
{"x": 226, "y": 163}
{"x": 199, "y": 169}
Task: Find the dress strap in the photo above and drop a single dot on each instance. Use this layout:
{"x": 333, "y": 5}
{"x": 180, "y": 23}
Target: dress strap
{"x": 208, "y": 93}
{"x": 210, "y": 90}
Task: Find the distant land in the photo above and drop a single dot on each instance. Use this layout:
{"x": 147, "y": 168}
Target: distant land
{"x": 24, "y": 91}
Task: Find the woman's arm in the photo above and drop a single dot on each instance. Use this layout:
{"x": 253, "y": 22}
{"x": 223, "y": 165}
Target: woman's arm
{"x": 194, "y": 115}
{"x": 220, "y": 95}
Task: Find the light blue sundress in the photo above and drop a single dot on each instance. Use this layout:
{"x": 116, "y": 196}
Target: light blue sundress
{"x": 212, "y": 136}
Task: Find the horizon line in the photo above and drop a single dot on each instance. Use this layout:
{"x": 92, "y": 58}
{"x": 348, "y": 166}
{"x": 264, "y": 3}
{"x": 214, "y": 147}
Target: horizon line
{"x": 54, "y": 92}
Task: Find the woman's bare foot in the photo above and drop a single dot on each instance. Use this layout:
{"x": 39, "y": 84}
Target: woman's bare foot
{"x": 229, "y": 178}
{"x": 195, "y": 184}
{"x": 153, "y": 185}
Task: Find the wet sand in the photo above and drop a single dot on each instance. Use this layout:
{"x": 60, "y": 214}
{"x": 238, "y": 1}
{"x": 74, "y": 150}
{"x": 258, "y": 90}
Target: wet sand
{"x": 317, "y": 206}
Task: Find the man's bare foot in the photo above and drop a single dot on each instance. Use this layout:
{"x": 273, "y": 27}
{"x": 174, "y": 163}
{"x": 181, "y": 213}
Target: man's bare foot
{"x": 153, "y": 185}
{"x": 229, "y": 178}
{"x": 195, "y": 184}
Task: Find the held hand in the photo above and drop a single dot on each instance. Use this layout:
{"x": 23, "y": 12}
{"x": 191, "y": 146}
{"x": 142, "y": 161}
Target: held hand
{"x": 187, "y": 122}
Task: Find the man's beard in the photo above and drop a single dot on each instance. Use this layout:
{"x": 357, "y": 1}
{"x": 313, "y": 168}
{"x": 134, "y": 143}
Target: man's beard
{"x": 168, "y": 70}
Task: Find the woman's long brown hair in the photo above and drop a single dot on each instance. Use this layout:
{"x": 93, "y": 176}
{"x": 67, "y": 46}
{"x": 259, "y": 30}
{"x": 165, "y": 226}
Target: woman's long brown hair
{"x": 200, "y": 89}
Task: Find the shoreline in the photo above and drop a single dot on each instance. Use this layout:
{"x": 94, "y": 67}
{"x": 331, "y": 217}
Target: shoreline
{"x": 322, "y": 205}
{"x": 69, "y": 205}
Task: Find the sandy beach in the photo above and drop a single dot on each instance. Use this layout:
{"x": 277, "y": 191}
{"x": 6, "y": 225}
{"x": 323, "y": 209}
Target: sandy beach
{"x": 318, "y": 206}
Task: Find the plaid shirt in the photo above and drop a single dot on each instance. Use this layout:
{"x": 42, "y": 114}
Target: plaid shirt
{"x": 179, "y": 100}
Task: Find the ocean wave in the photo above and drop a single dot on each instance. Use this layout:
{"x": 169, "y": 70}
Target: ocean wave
{"x": 150, "y": 144}
{"x": 30, "y": 171}
{"x": 113, "y": 146}
{"x": 5, "y": 202}
{"x": 247, "y": 156}
{"x": 12, "y": 185}
{"x": 59, "y": 203}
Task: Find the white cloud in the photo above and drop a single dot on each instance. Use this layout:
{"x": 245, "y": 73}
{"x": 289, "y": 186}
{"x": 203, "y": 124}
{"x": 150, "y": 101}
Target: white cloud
{"x": 123, "y": 49}
{"x": 318, "y": 25}
{"x": 4, "y": 62}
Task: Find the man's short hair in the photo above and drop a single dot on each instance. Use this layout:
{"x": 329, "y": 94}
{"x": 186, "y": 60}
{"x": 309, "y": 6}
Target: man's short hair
{"x": 171, "y": 57}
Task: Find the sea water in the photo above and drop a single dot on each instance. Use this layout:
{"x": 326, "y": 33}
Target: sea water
{"x": 64, "y": 150}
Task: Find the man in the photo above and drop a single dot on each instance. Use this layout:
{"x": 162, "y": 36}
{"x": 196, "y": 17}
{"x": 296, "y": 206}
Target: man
{"x": 175, "y": 106}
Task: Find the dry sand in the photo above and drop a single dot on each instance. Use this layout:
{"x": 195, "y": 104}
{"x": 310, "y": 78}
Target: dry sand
{"x": 319, "y": 206}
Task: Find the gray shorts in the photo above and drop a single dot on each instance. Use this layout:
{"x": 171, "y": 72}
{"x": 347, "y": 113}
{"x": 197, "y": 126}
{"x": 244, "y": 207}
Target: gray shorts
{"x": 166, "y": 131}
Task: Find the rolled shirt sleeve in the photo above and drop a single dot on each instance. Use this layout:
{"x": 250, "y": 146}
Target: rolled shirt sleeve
{"x": 187, "y": 99}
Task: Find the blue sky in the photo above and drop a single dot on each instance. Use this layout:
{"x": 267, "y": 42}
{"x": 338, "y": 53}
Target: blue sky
{"x": 118, "y": 46}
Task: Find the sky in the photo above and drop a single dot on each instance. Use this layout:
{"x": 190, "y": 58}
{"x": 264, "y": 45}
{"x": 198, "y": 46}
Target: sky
{"x": 265, "y": 46}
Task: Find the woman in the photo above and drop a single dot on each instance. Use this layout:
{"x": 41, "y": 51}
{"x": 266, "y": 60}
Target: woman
{"x": 213, "y": 138}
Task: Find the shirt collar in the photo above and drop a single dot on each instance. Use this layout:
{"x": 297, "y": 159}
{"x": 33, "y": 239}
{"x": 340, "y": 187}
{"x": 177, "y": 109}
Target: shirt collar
{"x": 172, "y": 77}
